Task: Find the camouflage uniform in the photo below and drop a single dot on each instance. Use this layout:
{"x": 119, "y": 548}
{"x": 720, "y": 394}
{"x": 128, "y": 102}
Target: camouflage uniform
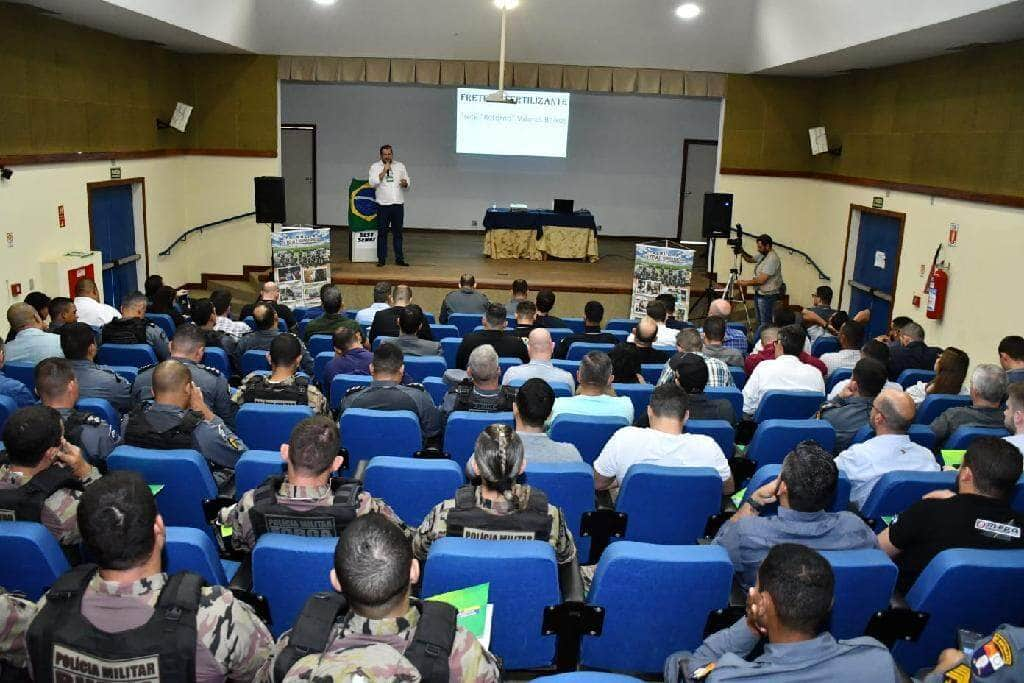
{"x": 380, "y": 659}
{"x": 435, "y": 524}
{"x": 15, "y": 615}
{"x": 314, "y": 397}
{"x": 300, "y": 498}
{"x": 60, "y": 511}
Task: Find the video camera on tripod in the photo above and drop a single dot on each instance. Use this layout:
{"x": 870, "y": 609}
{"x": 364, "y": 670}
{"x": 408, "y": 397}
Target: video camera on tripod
{"x": 737, "y": 242}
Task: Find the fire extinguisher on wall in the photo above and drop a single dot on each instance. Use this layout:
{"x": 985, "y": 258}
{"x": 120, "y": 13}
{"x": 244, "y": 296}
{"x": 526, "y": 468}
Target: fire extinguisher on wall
{"x": 938, "y": 285}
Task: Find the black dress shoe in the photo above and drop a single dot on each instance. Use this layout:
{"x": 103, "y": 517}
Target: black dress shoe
{"x": 380, "y": 264}
{"x": 401, "y": 263}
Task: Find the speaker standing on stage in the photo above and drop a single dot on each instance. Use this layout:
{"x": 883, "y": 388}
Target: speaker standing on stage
{"x": 390, "y": 179}
{"x": 767, "y": 279}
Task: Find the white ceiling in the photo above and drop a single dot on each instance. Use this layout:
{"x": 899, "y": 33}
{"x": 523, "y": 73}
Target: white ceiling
{"x": 797, "y": 37}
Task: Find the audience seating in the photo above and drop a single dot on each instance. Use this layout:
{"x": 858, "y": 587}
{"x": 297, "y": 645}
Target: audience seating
{"x": 412, "y": 487}
{"x": 579, "y": 349}
{"x": 922, "y": 435}
{"x": 128, "y": 372}
{"x": 429, "y": 318}
{"x": 574, "y": 324}
{"x": 719, "y": 430}
{"x": 912, "y": 376}
{"x": 668, "y": 505}
{"x": 465, "y": 322}
{"x": 561, "y": 389}
{"x": 264, "y": 426}
{"x": 739, "y": 376}
{"x": 731, "y": 394}
{"x": 362, "y": 428}
{"x": 342, "y": 383}
{"x": 316, "y": 312}
{"x": 417, "y": 368}
{"x": 506, "y": 363}
{"x": 639, "y": 394}
{"x": 101, "y": 408}
{"x": 570, "y": 366}
{"x": 624, "y": 324}
{"x": 320, "y": 362}
{"x": 837, "y": 376}
{"x": 135, "y": 355}
{"x": 651, "y": 372}
{"x": 621, "y": 335}
{"x": 286, "y": 570}
{"x": 936, "y": 404}
{"x": 301, "y": 325}
{"x": 320, "y": 343}
{"x": 962, "y": 437}
{"x": 464, "y": 427}
{"x": 217, "y": 358}
{"x": 896, "y": 491}
{"x": 30, "y": 559}
{"x": 190, "y": 550}
{"x": 767, "y": 473}
{"x": 1017, "y": 502}
{"x": 864, "y": 582}
{"x": 588, "y": 433}
{"x": 450, "y": 349}
{"x": 164, "y": 322}
{"x": 440, "y": 331}
{"x": 788, "y": 405}
{"x": 559, "y": 333}
{"x": 7, "y": 408}
{"x": 253, "y": 468}
{"x": 569, "y": 486}
{"x": 23, "y": 372}
{"x": 523, "y": 578}
{"x": 254, "y": 360}
{"x": 774, "y": 439}
{"x": 823, "y": 345}
{"x": 656, "y": 600}
{"x": 436, "y": 387}
{"x": 251, "y": 322}
{"x": 589, "y": 677}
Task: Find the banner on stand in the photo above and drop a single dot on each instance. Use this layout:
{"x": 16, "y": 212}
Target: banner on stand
{"x": 661, "y": 270}
{"x": 302, "y": 264}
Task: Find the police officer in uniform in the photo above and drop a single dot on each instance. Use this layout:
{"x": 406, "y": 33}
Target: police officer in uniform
{"x": 265, "y": 316}
{"x": 180, "y": 418}
{"x": 996, "y": 658}
{"x": 134, "y": 328}
{"x": 375, "y": 632}
{"x": 481, "y": 390}
{"x": 386, "y": 392}
{"x": 187, "y": 348}
{"x": 58, "y": 389}
{"x": 125, "y": 619}
{"x": 78, "y": 342}
{"x": 498, "y": 509}
{"x": 283, "y": 386}
{"x": 307, "y": 501}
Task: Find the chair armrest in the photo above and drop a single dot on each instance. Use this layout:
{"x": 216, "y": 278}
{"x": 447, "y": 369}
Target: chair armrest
{"x": 570, "y": 581}
{"x": 601, "y": 526}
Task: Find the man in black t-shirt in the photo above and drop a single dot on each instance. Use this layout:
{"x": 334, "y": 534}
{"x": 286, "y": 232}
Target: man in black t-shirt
{"x": 978, "y": 515}
{"x": 593, "y": 314}
{"x": 545, "y": 302}
{"x": 505, "y": 345}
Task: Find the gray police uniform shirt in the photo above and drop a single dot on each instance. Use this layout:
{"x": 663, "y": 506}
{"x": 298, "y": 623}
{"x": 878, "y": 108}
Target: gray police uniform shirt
{"x": 218, "y": 444}
{"x": 983, "y": 663}
{"x": 210, "y": 380}
{"x": 99, "y": 381}
{"x": 412, "y": 345}
{"x": 260, "y": 340}
{"x": 822, "y": 658}
{"x": 98, "y": 439}
{"x": 382, "y": 395}
{"x": 847, "y": 415}
{"x": 156, "y": 338}
{"x": 463, "y": 300}
{"x": 770, "y": 265}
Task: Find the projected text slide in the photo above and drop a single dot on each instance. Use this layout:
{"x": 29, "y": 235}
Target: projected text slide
{"x": 536, "y": 125}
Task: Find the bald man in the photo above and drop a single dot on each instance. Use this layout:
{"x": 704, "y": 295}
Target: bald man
{"x": 272, "y": 294}
{"x": 892, "y": 413}
{"x": 385, "y": 322}
{"x": 644, "y": 336}
{"x": 734, "y": 338}
{"x": 31, "y": 343}
{"x": 540, "y": 348}
{"x": 91, "y": 310}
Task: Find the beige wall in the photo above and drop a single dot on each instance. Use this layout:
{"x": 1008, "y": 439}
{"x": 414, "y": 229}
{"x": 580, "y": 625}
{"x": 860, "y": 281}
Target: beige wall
{"x": 983, "y": 303}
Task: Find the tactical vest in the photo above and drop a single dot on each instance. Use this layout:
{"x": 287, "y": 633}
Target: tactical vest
{"x": 428, "y": 651}
{"x": 140, "y": 432}
{"x": 260, "y": 389}
{"x": 64, "y": 646}
{"x": 467, "y": 399}
{"x": 468, "y": 520}
{"x": 25, "y": 503}
{"x": 75, "y": 423}
{"x": 271, "y": 515}
{"x": 126, "y": 331}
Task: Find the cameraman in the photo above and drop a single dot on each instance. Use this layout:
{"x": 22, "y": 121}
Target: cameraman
{"x": 767, "y": 278}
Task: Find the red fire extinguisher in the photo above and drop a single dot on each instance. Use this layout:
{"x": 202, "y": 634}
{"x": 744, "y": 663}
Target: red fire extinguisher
{"x": 938, "y": 285}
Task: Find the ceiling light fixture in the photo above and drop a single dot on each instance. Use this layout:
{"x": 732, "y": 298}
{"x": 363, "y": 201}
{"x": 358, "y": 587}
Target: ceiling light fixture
{"x": 688, "y": 11}
{"x": 325, "y": 3}
{"x": 506, "y": 4}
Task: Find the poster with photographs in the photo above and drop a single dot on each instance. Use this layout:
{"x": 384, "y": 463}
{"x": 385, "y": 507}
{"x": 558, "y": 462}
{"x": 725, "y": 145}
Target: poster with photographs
{"x": 302, "y": 264}
{"x": 661, "y": 270}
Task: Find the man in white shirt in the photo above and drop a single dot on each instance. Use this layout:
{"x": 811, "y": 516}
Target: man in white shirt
{"x": 381, "y": 300}
{"x": 1014, "y": 414}
{"x": 785, "y": 372}
{"x": 390, "y": 179}
{"x": 540, "y": 347}
{"x": 221, "y": 300}
{"x": 91, "y": 310}
{"x": 663, "y": 443}
{"x": 891, "y": 450}
{"x": 666, "y": 335}
{"x": 851, "y": 338}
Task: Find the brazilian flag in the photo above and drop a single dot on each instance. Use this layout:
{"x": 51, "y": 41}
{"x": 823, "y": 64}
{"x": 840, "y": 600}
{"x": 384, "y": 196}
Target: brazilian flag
{"x": 362, "y": 206}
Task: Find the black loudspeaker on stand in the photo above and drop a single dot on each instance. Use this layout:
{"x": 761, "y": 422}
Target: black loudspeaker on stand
{"x": 270, "y": 200}
{"x": 717, "y": 215}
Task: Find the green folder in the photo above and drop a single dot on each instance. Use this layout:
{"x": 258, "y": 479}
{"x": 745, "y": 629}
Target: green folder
{"x": 953, "y": 458}
{"x": 156, "y": 488}
{"x": 472, "y": 605}
{"x": 737, "y": 498}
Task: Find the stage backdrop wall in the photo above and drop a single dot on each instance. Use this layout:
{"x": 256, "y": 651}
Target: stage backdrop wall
{"x": 624, "y": 155}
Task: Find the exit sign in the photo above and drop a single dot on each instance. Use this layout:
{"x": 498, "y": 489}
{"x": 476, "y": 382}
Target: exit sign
{"x": 115, "y": 172}
{"x": 876, "y": 202}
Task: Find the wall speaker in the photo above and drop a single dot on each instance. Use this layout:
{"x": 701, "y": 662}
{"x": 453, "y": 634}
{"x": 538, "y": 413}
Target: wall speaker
{"x": 270, "y": 200}
{"x": 717, "y": 214}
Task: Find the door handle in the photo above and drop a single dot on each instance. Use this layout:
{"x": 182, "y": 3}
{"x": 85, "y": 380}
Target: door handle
{"x": 867, "y": 289}
{"x": 123, "y": 261}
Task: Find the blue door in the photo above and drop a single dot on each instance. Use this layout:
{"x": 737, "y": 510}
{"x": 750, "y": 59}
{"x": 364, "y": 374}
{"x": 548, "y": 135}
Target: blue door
{"x": 112, "y": 221}
{"x": 874, "y": 272}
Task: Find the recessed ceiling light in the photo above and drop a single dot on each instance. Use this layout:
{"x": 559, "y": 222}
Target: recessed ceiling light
{"x": 688, "y": 10}
{"x": 506, "y": 4}
{"x": 325, "y": 3}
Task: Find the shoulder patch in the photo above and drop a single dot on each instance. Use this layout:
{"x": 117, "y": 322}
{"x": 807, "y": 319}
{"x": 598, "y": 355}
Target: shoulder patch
{"x": 147, "y": 367}
{"x": 355, "y": 390}
{"x": 209, "y": 368}
{"x": 415, "y": 385}
{"x": 92, "y": 420}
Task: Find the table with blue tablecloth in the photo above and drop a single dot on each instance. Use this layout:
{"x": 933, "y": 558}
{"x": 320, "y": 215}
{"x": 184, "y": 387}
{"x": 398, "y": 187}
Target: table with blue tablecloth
{"x": 536, "y": 234}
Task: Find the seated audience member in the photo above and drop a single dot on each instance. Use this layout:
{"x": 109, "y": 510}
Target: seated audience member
{"x": 410, "y": 322}
{"x": 545, "y": 302}
{"x": 891, "y": 338}
{"x": 385, "y": 321}
{"x": 386, "y": 392}
{"x": 663, "y": 443}
{"x": 734, "y": 338}
{"x": 1011, "y": 356}
{"x": 151, "y": 285}
{"x": 644, "y": 337}
{"x": 1014, "y": 414}
{"x": 270, "y": 293}
{"x": 540, "y": 349}
{"x": 691, "y": 375}
{"x": 31, "y": 342}
{"x": 91, "y": 310}
{"x": 332, "y": 302}
{"x": 663, "y": 334}
{"x": 187, "y": 348}
{"x": 593, "y": 314}
{"x": 493, "y": 334}
{"x": 520, "y": 293}
{"x": 179, "y": 418}
{"x": 205, "y": 317}
{"x": 283, "y": 386}
{"x": 12, "y": 388}
{"x": 817, "y": 315}
{"x": 78, "y": 342}
{"x": 767, "y": 349}
{"x": 307, "y": 500}
{"x": 134, "y": 328}
{"x": 785, "y": 372}
{"x": 498, "y": 508}
{"x": 109, "y": 616}
{"x": 713, "y": 336}
{"x": 526, "y": 314}
{"x": 669, "y": 302}
{"x": 381, "y": 301}
{"x": 973, "y": 663}
{"x": 789, "y": 606}
{"x": 465, "y": 299}
{"x": 626, "y": 364}
{"x": 163, "y": 303}
{"x": 988, "y": 387}
{"x": 372, "y": 632}
{"x": 871, "y": 349}
{"x": 221, "y": 300}
{"x": 41, "y": 302}
{"x": 594, "y": 393}
{"x": 350, "y": 356}
{"x": 889, "y": 450}
{"x": 480, "y": 391}
{"x": 850, "y": 411}
{"x": 805, "y": 487}
{"x": 62, "y": 312}
{"x": 911, "y": 353}
{"x": 978, "y": 515}
{"x": 44, "y": 475}
{"x": 951, "y": 369}
{"x": 58, "y": 389}
{"x": 690, "y": 341}
{"x": 851, "y": 338}
{"x": 782, "y": 315}
{"x": 265, "y": 316}
{"x": 532, "y": 406}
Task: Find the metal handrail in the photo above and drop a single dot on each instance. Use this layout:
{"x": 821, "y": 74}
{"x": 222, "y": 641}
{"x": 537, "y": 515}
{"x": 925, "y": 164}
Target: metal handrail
{"x": 199, "y": 228}
{"x": 792, "y": 250}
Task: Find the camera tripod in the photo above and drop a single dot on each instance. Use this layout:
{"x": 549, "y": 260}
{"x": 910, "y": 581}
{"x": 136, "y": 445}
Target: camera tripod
{"x": 733, "y": 293}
